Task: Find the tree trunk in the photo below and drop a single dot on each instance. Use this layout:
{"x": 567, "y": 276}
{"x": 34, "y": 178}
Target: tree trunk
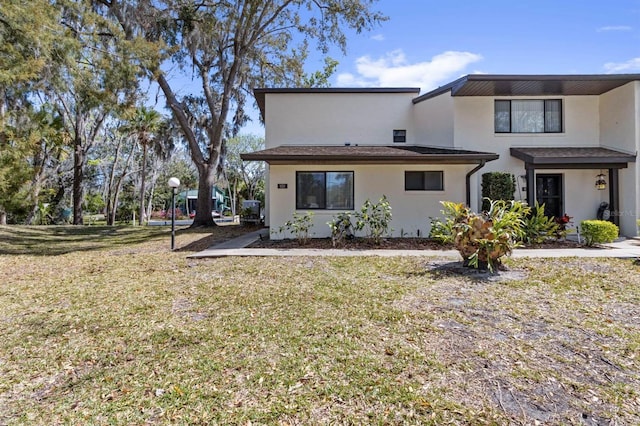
{"x": 36, "y": 184}
{"x": 206, "y": 178}
{"x": 142, "y": 182}
{"x": 78, "y": 193}
{"x": 114, "y": 194}
{"x": 3, "y": 217}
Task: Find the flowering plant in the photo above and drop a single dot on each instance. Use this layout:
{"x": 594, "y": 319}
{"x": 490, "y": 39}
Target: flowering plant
{"x": 564, "y": 219}
{"x": 562, "y": 222}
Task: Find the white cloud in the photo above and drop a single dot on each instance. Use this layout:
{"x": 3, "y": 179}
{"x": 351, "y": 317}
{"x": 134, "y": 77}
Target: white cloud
{"x": 394, "y": 70}
{"x": 378, "y": 37}
{"x": 614, "y": 28}
{"x": 632, "y": 65}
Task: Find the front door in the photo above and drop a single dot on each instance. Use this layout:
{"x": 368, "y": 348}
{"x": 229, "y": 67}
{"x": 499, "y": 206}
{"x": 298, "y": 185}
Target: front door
{"x": 549, "y": 193}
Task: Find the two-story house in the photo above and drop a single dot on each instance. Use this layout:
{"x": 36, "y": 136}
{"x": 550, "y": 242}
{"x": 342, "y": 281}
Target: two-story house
{"x": 328, "y": 150}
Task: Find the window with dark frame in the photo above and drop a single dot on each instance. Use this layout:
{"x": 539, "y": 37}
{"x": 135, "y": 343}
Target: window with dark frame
{"x": 528, "y": 116}
{"x": 424, "y": 180}
{"x": 324, "y": 190}
{"x": 399, "y": 136}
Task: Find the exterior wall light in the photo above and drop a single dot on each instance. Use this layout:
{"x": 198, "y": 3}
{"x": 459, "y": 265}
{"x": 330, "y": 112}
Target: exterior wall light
{"x": 600, "y": 182}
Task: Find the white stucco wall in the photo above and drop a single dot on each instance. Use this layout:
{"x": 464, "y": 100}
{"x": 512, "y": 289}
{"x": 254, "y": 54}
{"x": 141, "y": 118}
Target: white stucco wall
{"x": 619, "y": 129}
{"x": 611, "y": 120}
{"x": 474, "y": 129}
{"x": 337, "y": 118}
{"x": 410, "y": 209}
{"x": 433, "y": 121}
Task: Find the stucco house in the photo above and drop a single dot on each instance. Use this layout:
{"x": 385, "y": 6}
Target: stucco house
{"x": 330, "y": 149}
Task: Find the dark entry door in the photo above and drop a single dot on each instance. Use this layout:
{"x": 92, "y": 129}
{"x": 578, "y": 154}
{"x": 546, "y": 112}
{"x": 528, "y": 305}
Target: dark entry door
{"x": 549, "y": 192}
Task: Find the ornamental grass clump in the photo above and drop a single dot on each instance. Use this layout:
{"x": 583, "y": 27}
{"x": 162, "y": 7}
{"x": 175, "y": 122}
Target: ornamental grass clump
{"x": 482, "y": 239}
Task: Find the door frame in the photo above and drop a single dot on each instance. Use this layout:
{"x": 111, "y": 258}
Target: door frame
{"x": 560, "y": 177}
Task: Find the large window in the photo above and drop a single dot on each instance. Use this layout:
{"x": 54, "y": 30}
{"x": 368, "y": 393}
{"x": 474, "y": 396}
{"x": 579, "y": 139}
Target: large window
{"x": 324, "y": 190}
{"x": 528, "y": 116}
{"x": 423, "y": 181}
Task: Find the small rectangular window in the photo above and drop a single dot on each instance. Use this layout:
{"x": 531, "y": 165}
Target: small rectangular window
{"x": 399, "y": 136}
{"x": 324, "y": 190}
{"x": 424, "y": 181}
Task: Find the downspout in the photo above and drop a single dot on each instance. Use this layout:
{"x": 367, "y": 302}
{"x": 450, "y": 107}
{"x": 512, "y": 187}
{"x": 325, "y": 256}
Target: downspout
{"x": 468, "y": 180}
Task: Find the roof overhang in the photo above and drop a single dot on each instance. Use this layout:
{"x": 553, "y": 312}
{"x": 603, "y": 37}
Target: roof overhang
{"x": 572, "y": 158}
{"x": 531, "y": 85}
{"x": 338, "y": 154}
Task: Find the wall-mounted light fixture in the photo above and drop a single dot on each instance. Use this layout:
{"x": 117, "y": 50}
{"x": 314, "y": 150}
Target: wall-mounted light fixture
{"x": 600, "y": 182}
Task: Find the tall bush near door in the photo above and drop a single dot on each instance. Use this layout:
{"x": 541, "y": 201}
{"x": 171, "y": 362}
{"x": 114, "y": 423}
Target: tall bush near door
{"x": 497, "y": 186}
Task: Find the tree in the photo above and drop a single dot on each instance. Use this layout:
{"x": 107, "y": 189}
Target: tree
{"x": 143, "y": 125}
{"x": 232, "y": 47}
{"x": 88, "y": 89}
{"x": 27, "y": 132}
{"x": 241, "y": 175}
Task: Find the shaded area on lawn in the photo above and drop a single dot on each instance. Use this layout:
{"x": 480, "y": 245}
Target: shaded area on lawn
{"x": 59, "y": 240}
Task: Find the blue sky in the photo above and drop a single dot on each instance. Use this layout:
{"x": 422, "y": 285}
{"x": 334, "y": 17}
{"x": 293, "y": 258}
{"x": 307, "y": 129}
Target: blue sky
{"x": 428, "y": 43}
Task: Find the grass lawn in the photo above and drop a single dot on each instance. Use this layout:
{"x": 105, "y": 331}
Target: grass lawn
{"x": 107, "y": 326}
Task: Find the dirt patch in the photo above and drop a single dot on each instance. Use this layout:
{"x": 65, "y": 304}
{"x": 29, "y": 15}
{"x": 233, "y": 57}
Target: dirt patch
{"x": 534, "y": 355}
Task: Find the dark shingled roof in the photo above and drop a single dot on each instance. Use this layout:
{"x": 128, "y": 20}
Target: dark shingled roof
{"x": 336, "y": 154}
{"x": 531, "y": 85}
{"x": 575, "y": 157}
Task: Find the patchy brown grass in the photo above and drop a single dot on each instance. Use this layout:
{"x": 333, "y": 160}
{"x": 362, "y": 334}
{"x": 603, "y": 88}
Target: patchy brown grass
{"x": 123, "y": 331}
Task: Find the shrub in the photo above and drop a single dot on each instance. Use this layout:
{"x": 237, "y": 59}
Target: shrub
{"x": 374, "y": 219}
{"x": 497, "y": 186}
{"x": 598, "y": 231}
{"x": 341, "y": 228}
{"x": 538, "y": 227}
{"x": 482, "y": 239}
{"x": 443, "y": 230}
{"x": 299, "y": 226}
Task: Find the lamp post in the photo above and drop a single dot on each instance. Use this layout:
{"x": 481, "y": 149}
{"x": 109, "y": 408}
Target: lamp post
{"x": 174, "y": 183}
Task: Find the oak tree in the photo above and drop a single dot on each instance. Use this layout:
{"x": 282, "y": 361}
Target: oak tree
{"x": 230, "y": 47}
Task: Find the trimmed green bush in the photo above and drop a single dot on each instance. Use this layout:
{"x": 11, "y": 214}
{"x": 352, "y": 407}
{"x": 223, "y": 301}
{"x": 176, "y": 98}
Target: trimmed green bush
{"x": 598, "y": 231}
{"x": 497, "y": 186}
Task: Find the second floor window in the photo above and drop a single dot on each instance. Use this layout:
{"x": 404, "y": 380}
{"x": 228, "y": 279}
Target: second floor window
{"x": 528, "y": 116}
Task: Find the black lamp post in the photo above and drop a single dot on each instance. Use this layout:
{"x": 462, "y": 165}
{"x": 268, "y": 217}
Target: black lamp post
{"x": 174, "y": 183}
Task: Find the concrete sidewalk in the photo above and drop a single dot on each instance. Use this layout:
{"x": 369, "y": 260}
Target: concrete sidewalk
{"x": 629, "y": 248}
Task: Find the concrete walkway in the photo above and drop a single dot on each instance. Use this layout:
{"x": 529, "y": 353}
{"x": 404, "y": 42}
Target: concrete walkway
{"x": 629, "y": 248}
